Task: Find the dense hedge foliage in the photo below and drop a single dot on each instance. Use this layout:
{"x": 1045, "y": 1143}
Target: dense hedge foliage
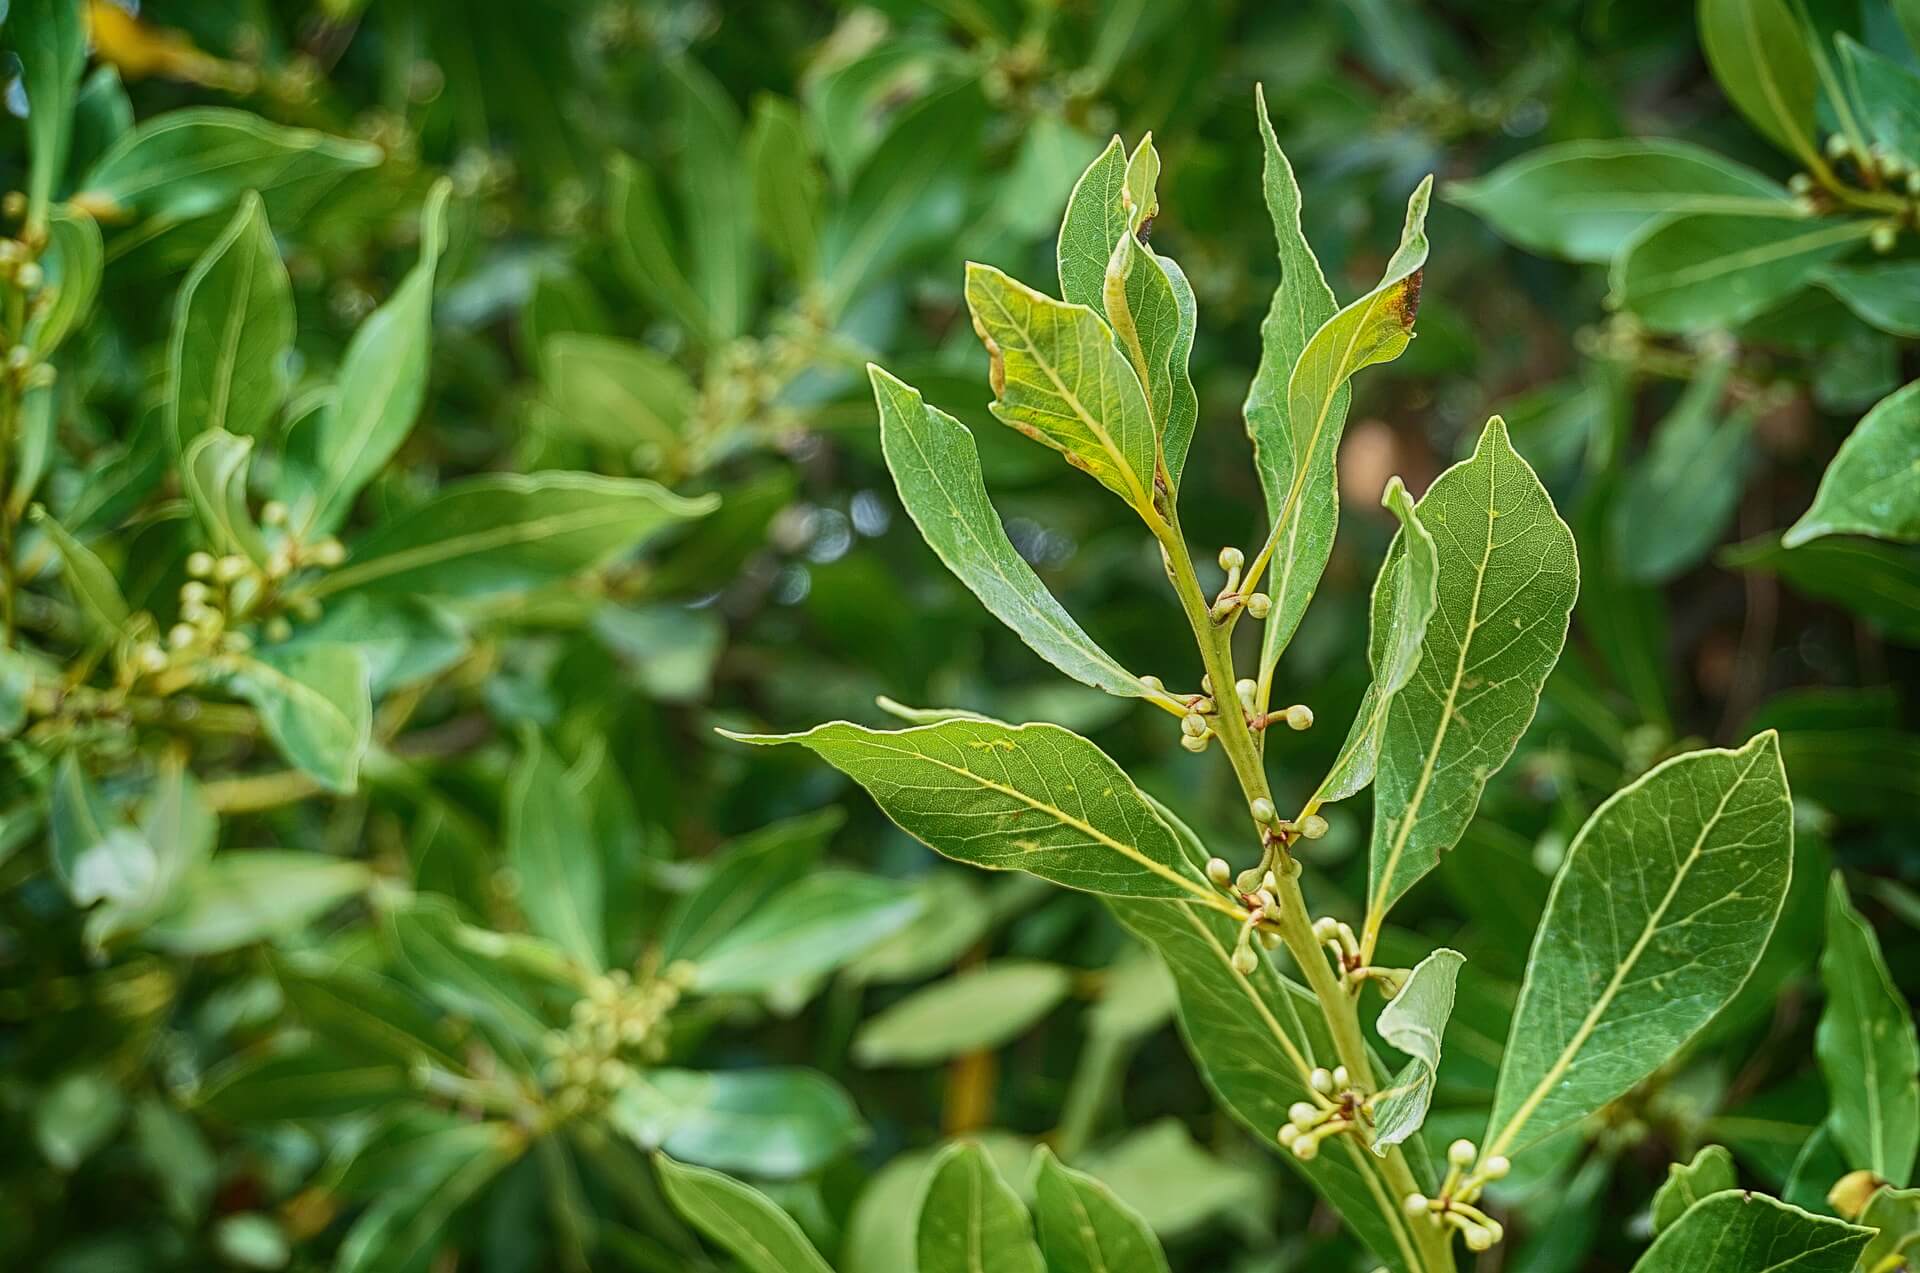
{"x": 428, "y": 425}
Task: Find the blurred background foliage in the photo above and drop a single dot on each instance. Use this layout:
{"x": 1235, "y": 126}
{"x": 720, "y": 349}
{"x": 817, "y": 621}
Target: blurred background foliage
{"x": 677, "y": 233}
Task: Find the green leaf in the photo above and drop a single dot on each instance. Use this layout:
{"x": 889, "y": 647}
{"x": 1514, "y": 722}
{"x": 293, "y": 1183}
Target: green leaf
{"x": 315, "y": 702}
{"x": 772, "y": 1121}
{"x": 1034, "y": 798}
{"x": 232, "y": 333}
{"x": 551, "y": 848}
{"x": 50, "y": 39}
{"x": 98, "y": 854}
{"x": 187, "y": 163}
{"x": 644, "y": 245}
{"x": 1889, "y": 99}
{"x": 1736, "y": 1229}
{"x": 745, "y": 875}
{"x": 1295, "y": 452}
{"x": 1414, "y": 1021}
{"x": 443, "y": 959}
{"x": 1868, "y": 1051}
{"x": 1710, "y": 1172}
{"x": 88, "y": 578}
{"x": 295, "y": 1084}
{"x": 807, "y": 929}
{"x": 1896, "y": 1214}
{"x": 1873, "y": 485}
{"x": 1058, "y": 378}
{"x": 1508, "y": 577}
{"x": 1256, "y": 1039}
{"x": 237, "y": 899}
{"x": 936, "y": 467}
{"x": 1679, "y": 499}
{"x": 954, "y": 916}
{"x": 715, "y": 198}
{"x": 508, "y": 533}
{"x": 785, "y": 170}
{"x": 1405, "y": 596}
{"x": 1879, "y": 582}
{"x": 615, "y": 392}
{"x": 77, "y": 1116}
{"x": 1660, "y": 911}
{"x": 978, "y": 1010}
{"x": 1758, "y": 52}
{"x": 970, "y": 1220}
{"x": 1085, "y": 1228}
{"x": 1095, "y": 221}
{"x": 214, "y": 472}
{"x": 1886, "y": 295}
{"x": 360, "y": 1010}
{"x": 72, "y": 262}
{"x": 405, "y": 1227}
{"x": 1584, "y": 200}
{"x": 405, "y": 641}
{"x": 741, "y": 1220}
{"x": 383, "y": 381}
{"x": 1694, "y": 271}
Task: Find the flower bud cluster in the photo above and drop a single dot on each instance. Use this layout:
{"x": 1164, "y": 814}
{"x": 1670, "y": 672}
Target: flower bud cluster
{"x": 1335, "y": 1108}
{"x": 1467, "y": 1177}
{"x": 1230, "y": 598}
{"x": 621, "y": 1023}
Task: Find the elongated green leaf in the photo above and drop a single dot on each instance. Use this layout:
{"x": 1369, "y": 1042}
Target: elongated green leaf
{"x": 1896, "y": 1214}
{"x": 937, "y": 470}
{"x": 1034, "y": 798}
{"x": 769, "y": 1122}
{"x": 551, "y": 847}
{"x": 1886, "y": 295}
{"x": 188, "y": 163}
{"x": 1058, "y": 378}
{"x": 299, "y": 1083}
{"x": 644, "y": 247}
{"x": 745, "y": 874}
{"x": 50, "y": 37}
{"x": 615, "y": 392}
{"x": 1085, "y": 1228}
{"x": 1404, "y": 598}
{"x": 316, "y": 703}
{"x": 1508, "y": 576}
{"x": 810, "y": 928}
{"x": 1873, "y": 485}
{"x": 95, "y": 852}
{"x": 214, "y": 472}
{"x": 237, "y": 899}
{"x": 1414, "y": 1021}
{"x": 359, "y": 1010}
{"x": 970, "y": 1220}
{"x": 1751, "y": 1232}
{"x": 88, "y": 578}
{"x": 509, "y": 533}
{"x": 1695, "y": 271}
{"x": 1678, "y": 500}
{"x": 1584, "y": 199}
{"x": 406, "y": 1225}
{"x": 1296, "y": 454}
{"x": 1867, "y": 1048}
{"x": 1256, "y": 1039}
{"x": 232, "y": 333}
{"x": 1759, "y": 53}
{"x": 743, "y": 1221}
{"x": 438, "y": 955}
{"x": 72, "y": 261}
{"x": 1878, "y": 581}
{"x": 383, "y": 380}
{"x": 979, "y": 1009}
{"x": 1710, "y": 1172}
{"x": 1660, "y": 911}
{"x": 787, "y": 183}
{"x": 1889, "y": 98}
{"x": 715, "y": 197}
{"x": 1095, "y": 220}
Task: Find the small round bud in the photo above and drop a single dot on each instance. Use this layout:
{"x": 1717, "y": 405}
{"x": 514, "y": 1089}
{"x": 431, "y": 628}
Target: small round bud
{"x": 1496, "y": 1168}
{"x": 1303, "y": 1114}
{"x": 194, "y": 593}
{"x": 1245, "y": 961}
{"x": 14, "y": 205}
{"x": 278, "y": 629}
{"x": 229, "y": 568}
{"x": 279, "y": 563}
{"x": 181, "y": 635}
{"x": 273, "y": 513}
{"x": 1153, "y": 683}
{"x": 1259, "y": 605}
{"x": 1244, "y": 689}
{"x": 1192, "y": 744}
{"x": 1263, "y": 810}
{"x": 1495, "y": 1230}
{"x": 1306, "y": 1149}
{"x": 1313, "y": 826}
{"x": 1269, "y": 941}
{"x": 1288, "y": 1134}
{"x": 1800, "y": 183}
{"x": 151, "y": 658}
{"x": 1206, "y": 684}
{"x": 1232, "y": 559}
{"x": 1461, "y": 1153}
{"x": 1837, "y": 147}
{"x": 1477, "y": 1238}
{"x": 1326, "y": 928}
{"x": 236, "y": 643}
{"x": 1219, "y": 872}
{"x": 328, "y": 552}
{"x": 29, "y": 276}
{"x": 1321, "y": 1080}
{"x": 1299, "y": 716}
{"x": 199, "y": 565}
{"x": 1913, "y": 182}
{"x": 1340, "y": 1076}
{"x": 1416, "y": 1204}
{"x": 1884, "y": 237}
{"x": 1193, "y": 725}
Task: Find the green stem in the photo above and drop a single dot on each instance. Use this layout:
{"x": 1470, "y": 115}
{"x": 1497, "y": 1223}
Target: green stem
{"x": 1295, "y": 927}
